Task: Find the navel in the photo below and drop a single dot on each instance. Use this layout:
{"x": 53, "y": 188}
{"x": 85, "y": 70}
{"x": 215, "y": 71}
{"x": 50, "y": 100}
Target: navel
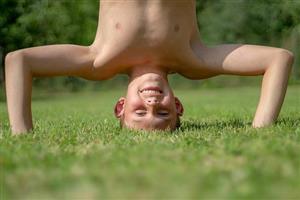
{"x": 176, "y": 28}
{"x": 118, "y": 26}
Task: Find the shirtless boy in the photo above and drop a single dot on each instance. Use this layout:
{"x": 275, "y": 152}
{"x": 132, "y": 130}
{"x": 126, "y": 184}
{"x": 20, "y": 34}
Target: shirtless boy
{"x": 147, "y": 39}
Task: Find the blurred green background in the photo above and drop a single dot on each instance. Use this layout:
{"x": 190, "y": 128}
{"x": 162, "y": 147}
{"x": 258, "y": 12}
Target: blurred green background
{"x": 27, "y": 23}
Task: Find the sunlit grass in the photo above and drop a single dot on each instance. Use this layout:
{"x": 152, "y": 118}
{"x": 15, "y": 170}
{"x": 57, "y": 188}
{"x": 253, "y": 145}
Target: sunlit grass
{"x": 77, "y": 150}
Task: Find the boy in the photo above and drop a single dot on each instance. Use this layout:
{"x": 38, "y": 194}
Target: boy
{"x": 147, "y": 40}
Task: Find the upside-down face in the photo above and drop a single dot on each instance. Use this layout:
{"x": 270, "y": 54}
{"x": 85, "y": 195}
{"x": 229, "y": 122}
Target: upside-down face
{"x": 149, "y": 104}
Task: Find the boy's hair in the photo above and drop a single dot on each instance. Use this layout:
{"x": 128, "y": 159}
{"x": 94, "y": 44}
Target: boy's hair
{"x": 177, "y": 126}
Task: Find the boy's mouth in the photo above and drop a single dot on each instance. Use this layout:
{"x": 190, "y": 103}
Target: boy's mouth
{"x": 151, "y": 90}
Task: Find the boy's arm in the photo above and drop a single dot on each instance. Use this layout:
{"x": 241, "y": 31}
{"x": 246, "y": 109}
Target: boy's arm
{"x": 250, "y": 60}
{"x": 22, "y": 65}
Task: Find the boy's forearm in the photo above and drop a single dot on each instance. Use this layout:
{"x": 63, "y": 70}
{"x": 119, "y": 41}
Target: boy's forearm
{"x": 18, "y": 92}
{"x": 43, "y": 61}
{"x": 273, "y": 90}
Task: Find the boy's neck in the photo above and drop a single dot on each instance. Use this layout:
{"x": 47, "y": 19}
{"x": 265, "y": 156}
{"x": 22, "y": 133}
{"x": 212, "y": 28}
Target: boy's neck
{"x": 141, "y": 70}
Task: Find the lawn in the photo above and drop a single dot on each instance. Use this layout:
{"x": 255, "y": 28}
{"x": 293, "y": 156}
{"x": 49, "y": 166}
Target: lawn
{"x": 78, "y": 150}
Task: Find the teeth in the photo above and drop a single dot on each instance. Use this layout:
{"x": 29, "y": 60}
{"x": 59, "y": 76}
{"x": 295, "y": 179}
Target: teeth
{"x": 151, "y": 92}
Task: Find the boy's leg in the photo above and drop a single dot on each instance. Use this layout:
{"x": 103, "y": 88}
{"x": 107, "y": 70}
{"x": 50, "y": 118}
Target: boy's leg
{"x": 249, "y": 60}
{"x": 22, "y": 65}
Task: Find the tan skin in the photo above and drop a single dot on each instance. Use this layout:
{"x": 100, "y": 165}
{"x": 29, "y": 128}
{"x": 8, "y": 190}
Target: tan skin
{"x": 147, "y": 40}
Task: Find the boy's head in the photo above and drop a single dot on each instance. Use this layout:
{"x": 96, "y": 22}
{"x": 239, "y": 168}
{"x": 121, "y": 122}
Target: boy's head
{"x": 149, "y": 104}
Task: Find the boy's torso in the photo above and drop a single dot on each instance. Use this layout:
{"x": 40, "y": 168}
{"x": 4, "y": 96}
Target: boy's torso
{"x": 134, "y": 32}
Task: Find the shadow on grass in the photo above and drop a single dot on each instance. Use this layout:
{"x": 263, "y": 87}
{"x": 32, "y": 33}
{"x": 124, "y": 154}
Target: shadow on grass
{"x": 289, "y": 121}
{"x": 198, "y": 125}
{"x": 192, "y": 124}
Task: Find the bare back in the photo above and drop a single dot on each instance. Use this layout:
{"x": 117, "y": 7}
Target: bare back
{"x": 133, "y": 33}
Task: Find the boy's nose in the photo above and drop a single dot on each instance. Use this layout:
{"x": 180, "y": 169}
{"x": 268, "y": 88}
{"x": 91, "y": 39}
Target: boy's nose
{"x": 152, "y": 101}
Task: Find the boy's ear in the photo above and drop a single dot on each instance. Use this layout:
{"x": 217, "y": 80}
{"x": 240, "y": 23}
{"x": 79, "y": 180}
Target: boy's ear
{"x": 179, "y": 107}
{"x": 119, "y": 107}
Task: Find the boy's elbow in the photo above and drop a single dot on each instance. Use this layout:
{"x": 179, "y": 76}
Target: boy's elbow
{"x": 14, "y": 55}
{"x": 287, "y": 57}
{"x": 281, "y": 59}
{"x": 11, "y": 57}
{"x": 290, "y": 56}
{"x": 8, "y": 57}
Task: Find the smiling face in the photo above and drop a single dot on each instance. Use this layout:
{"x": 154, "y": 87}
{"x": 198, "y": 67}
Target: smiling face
{"x": 149, "y": 105}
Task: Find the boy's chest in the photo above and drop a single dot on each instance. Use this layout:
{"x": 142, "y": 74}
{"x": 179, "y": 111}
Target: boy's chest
{"x": 126, "y": 40}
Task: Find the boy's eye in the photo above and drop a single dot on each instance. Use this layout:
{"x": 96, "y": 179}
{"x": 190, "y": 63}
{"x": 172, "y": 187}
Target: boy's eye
{"x": 140, "y": 112}
{"x": 163, "y": 113}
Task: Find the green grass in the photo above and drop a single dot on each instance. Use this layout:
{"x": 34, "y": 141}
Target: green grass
{"x": 78, "y": 150}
